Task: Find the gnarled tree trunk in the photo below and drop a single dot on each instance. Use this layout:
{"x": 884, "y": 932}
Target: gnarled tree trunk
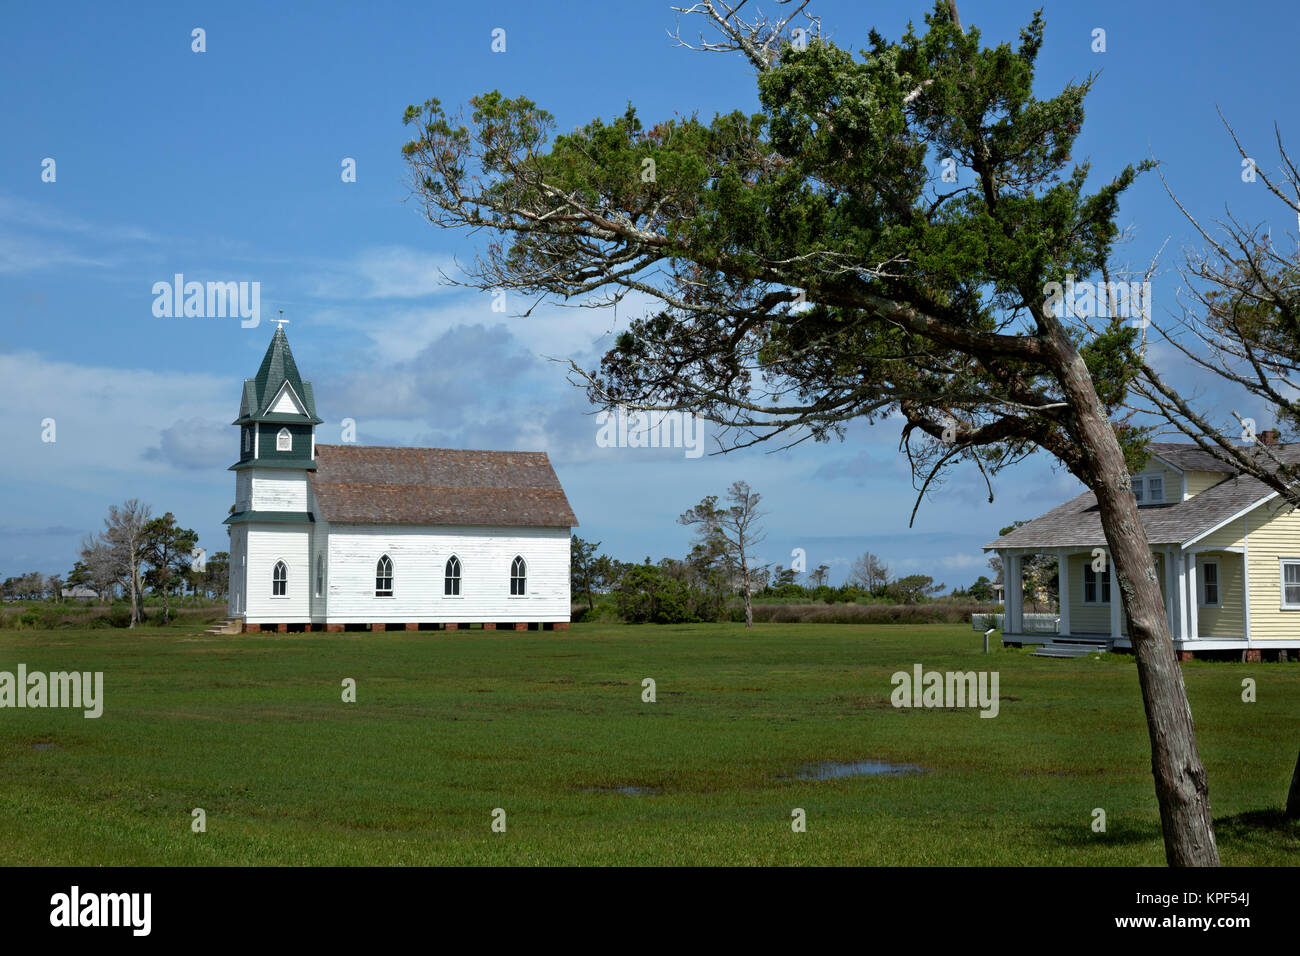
{"x": 1182, "y": 789}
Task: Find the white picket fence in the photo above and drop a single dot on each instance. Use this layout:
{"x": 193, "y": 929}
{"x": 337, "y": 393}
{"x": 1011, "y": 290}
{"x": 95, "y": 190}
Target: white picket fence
{"x": 1034, "y": 623}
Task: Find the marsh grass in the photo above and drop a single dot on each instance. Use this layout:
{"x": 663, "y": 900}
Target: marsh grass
{"x": 551, "y": 727}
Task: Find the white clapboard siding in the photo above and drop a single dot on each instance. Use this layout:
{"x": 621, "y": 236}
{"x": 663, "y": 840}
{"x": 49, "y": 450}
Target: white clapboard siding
{"x": 278, "y": 490}
{"x": 243, "y": 490}
{"x": 419, "y": 556}
{"x": 268, "y": 544}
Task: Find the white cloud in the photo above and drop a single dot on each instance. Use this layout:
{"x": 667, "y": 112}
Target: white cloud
{"x": 395, "y": 272}
{"x": 194, "y": 444}
{"x": 26, "y": 213}
{"x": 23, "y": 250}
{"x": 105, "y": 419}
{"x": 384, "y": 272}
{"x": 28, "y": 254}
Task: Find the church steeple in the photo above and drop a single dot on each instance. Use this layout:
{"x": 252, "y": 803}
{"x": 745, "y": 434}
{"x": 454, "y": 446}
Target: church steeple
{"x": 277, "y": 414}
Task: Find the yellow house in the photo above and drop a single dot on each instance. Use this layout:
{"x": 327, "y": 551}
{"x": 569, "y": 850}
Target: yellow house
{"x": 1226, "y": 549}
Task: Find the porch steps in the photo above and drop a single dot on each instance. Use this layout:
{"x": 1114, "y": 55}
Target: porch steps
{"x": 1073, "y": 647}
{"x": 231, "y": 625}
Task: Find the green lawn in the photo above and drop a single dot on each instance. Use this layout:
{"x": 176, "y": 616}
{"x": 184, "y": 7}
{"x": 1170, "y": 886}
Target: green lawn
{"x": 449, "y": 726}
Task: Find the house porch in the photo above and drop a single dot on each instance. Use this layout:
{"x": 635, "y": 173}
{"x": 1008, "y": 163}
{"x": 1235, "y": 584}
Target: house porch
{"x": 1205, "y": 591}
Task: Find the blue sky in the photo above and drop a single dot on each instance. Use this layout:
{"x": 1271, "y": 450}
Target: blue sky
{"x": 225, "y": 166}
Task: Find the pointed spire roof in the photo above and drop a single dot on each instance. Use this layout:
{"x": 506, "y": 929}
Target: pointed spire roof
{"x": 277, "y": 370}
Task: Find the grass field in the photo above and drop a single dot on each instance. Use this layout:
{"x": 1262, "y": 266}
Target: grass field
{"x": 551, "y": 728}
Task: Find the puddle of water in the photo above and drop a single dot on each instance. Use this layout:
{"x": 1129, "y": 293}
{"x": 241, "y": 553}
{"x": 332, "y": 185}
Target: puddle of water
{"x": 857, "y": 768}
{"x": 627, "y": 791}
{"x": 45, "y": 746}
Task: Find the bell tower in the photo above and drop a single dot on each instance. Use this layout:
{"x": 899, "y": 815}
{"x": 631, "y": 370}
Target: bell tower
{"x": 277, "y": 416}
{"x": 273, "y": 517}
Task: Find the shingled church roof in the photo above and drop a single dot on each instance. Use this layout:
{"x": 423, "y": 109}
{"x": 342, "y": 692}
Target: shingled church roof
{"x": 357, "y": 484}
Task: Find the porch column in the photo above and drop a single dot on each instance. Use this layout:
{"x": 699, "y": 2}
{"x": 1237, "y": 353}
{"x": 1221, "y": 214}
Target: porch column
{"x": 1008, "y": 599}
{"x": 1193, "y": 599}
{"x": 1116, "y": 604}
{"x": 1006, "y": 591}
{"x": 1171, "y": 592}
{"x": 1063, "y": 589}
{"x": 1183, "y": 620}
{"x": 1245, "y": 580}
{"x": 1012, "y": 568}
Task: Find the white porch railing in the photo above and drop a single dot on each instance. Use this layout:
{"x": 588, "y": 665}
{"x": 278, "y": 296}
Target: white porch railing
{"x": 1034, "y": 623}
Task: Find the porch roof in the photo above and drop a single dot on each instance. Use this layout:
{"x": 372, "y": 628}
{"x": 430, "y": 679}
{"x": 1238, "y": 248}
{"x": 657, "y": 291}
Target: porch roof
{"x": 1077, "y": 523}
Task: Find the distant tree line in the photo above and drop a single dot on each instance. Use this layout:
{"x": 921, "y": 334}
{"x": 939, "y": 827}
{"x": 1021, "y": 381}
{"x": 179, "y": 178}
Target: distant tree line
{"x": 32, "y": 586}
{"x": 722, "y": 567}
{"x": 134, "y": 555}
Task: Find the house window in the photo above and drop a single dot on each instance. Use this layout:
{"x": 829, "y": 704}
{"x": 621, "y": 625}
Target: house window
{"x": 320, "y": 574}
{"x": 283, "y": 440}
{"x": 1149, "y": 489}
{"x": 1291, "y": 583}
{"x": 1209, "y": 583}
{"x": 279, "y": 579}
{"x": 384, "y": 577}
{"x": 451, "y": 577}
{"x": 1094, "y": 582}
{"x": 518, "y": 576}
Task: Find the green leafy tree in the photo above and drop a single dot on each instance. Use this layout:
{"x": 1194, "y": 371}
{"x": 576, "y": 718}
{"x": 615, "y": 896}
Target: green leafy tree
{"x": 80, "y": 576}
{"x": 913, "y": 588}
{"x": 813, "y": 265}
{"x": 215, "y": 579}
{"x": 648, "y": 595}
{"x": 590, "y": 571}
{"x": 732, "y": 532}
{"x": 167, "y": 548}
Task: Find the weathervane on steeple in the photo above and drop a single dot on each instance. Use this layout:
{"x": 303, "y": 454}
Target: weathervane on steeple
{"x": 281, "y": 322}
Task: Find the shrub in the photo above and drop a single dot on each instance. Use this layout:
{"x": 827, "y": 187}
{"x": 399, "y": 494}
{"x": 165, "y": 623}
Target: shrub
{"x": 937, "y": 613}
{"x": 645, "y": 595}
{"x": 119, "y": 615}
{"x": 825, "y": 593}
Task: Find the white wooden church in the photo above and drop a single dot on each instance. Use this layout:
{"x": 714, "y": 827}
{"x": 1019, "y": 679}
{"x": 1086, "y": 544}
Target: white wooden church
{"x": 347, "y": 537}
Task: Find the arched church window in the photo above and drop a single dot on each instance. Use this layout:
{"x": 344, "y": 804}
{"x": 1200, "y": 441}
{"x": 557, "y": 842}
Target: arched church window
{"x": 384, "y": 577}
{"x": 451, "y": 577}
{"x": 518, "y": 575}
{"x": 279, "y": 579}
{"x": 320, "y": 574}
{"x": 284, "y": 440}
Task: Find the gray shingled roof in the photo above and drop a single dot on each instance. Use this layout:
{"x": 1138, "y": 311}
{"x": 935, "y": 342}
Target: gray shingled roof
{"x": 1077, "y": 523}
{"x": 439, "y": 486}
{"x": 1189, "y": 457}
